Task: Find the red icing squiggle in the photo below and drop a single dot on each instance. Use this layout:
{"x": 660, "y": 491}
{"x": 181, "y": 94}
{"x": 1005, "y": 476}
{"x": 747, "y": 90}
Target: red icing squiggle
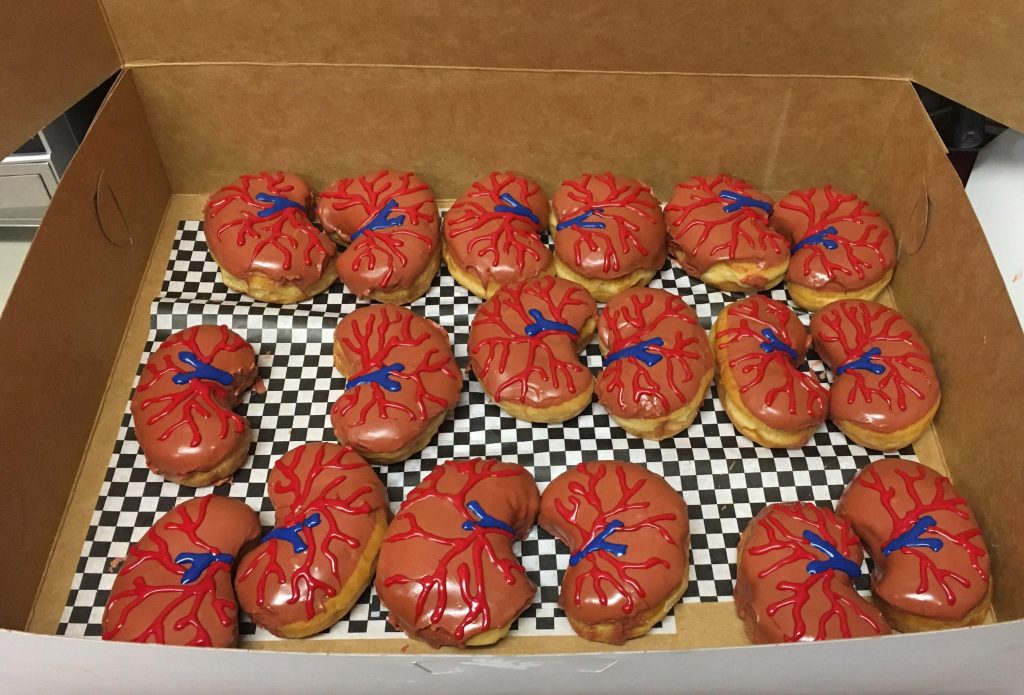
{"x": 628, "y": 386}
{"x": 602, "y": 567}
{"x": 389, "y": 257}
{"x": 788, "y": 590}
{"x": 515, "y": 363}
{"x": 198, "y": 398}
{"x": 771, "y": 386}
{"x": 190, "y": 427}
{"x": 149, "y": 602}
{"x": 283, "y": 246}
{"x": 485, "y": 235}
{"x": 930, "y": 557}
{"x": 279, "y": 583}
{"x": 446, "y": 574}
{"x": 372, "y": 418}
{"x": 707, "y": 234}
{"x": 633, "y": 232}
{"x": 906, "y": 389}
{"x": 865, "y": 248}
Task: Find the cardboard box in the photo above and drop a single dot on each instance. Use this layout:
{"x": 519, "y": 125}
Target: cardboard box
{"x": 783, "y": 94}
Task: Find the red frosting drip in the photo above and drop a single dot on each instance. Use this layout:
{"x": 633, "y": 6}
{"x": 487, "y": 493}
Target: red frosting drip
{"x": 942, "y": 499}
{"x": 478, "y": 542}
{"x": 603, "y": 567}
{"x": 865, "y": 253}
{"x": 199, "y": 397}
{"x": 280, "y": 232}
{"x": 382, "y": 254}
{"x": 532, "y": 369}
{"x": 308, "y": 494}
{"x": 782, "y": 538}
{"x": 498, "y": 239}
{"x": 742, "y": 344}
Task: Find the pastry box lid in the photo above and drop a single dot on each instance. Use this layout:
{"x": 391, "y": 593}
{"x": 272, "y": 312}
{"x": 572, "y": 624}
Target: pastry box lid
{"x": 55, "y": 51}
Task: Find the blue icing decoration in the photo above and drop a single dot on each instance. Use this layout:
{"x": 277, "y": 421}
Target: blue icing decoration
{"x": 198, "y": 562}
{"x": 601, "y": 542}
{"x": 484, "y": 520}
{"x": 833, "y": 561}
{"x": 292, "y": 533}
{"x": 514, "y": 207}
{"x": 381, "y": 377}
{"x": 580, "y": 220}
{"x": 864, "y": 362}
{"x": 541, "y": 324}
{"x": 277, "y": 204}
{"x": 742, "y": 201}
{"x": 825, "y": 238}
{"x": 203, "y": 370}
{"x": 911, "y": 538}
{"x": 773, "y": 344}
{"x": 380, "y": 220}
{"x": 638, "y": 351}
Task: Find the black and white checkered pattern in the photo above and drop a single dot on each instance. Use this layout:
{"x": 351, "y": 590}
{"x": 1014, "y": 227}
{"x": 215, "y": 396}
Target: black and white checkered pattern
{"x": 724, "y": 478}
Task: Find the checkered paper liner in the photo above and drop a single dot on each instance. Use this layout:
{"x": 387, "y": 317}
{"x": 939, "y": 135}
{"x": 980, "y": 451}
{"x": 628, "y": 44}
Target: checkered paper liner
{"x": 724, "y": 478}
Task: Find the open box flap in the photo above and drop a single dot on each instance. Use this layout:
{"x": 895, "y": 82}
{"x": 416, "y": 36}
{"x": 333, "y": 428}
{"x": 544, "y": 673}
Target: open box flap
{"x": 959, "y": 48}
{"x": 62, "y": 50}
{"x": 52, "y": 54}
{"x": 871, "y": 37}
{"x": 974, "y": 54}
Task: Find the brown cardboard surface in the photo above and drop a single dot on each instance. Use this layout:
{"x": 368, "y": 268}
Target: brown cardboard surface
{"x": 974, "y": 55}
{"x": 454, "y": 125}
{"x": 51, "y": 54}
{"x": 975, "y": 338}
{"x": 60, "y": 331}
{"x": 53, "y": 589}
{"x": 869, "y": 37}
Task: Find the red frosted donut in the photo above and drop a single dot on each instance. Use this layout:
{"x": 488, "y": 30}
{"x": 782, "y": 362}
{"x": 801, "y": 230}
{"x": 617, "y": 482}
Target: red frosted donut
{"x": 402, "y": 379}
{"x": 842, "y": 249}
{"x": 931, "y": 564}
{"x": 758, "y": 344}
{"x": 331, "y": 513}
{"x": 448, "y": 573}
{"x": 657, "y": 362}
{"x": 182, "y": 408}
{"x": 630, "y": 539}
{"x": 492, "y": 234}
{"x": 259, "y": 233}
{"x": 886, "y": 391}
{"x": 795, "y": 568}
{"x": 719, "y": 232}
{"x": 388, "y": 220}
{"x": 524, "y": 348}
{"x": 609, "y": 233}
{"x": 175, "y": 585}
